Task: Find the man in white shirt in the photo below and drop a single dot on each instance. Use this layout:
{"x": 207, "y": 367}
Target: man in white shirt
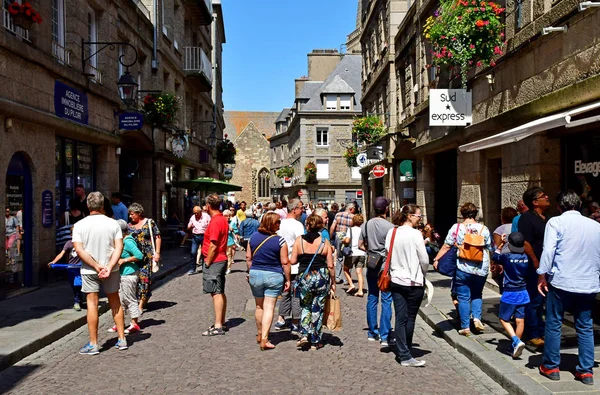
{"x": 197, "y": 225}
{"x": 98, "y": 241}
{"x": 290, "y": 229}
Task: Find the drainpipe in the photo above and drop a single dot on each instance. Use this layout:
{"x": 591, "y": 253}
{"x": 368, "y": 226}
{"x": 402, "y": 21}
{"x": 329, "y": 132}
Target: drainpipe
{"x": 155, "y": 36}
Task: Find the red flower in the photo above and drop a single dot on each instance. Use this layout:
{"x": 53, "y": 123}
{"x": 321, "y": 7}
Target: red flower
{"x": 479, "y": 23}
{"x": 492, "y": 63}
{"x": 478, "y": 64}
{"x": 497, "y": 50}
{"x": 14, "y": 8}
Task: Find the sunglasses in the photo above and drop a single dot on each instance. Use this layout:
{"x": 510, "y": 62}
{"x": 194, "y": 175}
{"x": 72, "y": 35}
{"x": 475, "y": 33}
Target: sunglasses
{"x": 416, "y": 215}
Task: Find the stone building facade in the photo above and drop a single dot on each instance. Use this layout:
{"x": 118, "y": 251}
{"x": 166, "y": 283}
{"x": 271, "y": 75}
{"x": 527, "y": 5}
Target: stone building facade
{"x": 317, "y": 129}
{"x": 59, "y": 118}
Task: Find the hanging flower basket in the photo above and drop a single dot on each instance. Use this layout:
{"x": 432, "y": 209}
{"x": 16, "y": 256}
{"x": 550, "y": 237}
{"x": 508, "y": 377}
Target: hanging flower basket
{"x": 160, "y": 109}
{"x": 368, "y": 129}
{"x": 310, "y": 172}
{"x": 350, "y": 155}
{"x": 463, "y": 33}
{"x": 226, "y": 152}
{"x": 285, "y": 171}
{"x": 24, "y": 15}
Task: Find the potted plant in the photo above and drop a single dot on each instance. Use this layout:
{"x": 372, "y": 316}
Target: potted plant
{"x": 285, "y": 171}
{"x": 464, "y": 33}
{"x": 160, "y": 109}
{"x": 226, "y": 152}
{"x": 368, "y": 129}
{"x": 24, "y": 15}
{"x": 310, "y": 172}
{"x": 351, "y": 154}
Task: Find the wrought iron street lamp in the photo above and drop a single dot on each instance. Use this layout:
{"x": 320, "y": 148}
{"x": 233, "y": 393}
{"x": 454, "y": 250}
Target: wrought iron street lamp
{"x": 128, "y": 87}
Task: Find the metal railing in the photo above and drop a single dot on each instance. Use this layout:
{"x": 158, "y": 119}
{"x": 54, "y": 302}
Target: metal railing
{"x": 60, "y": 53}
{"x": 195, "y": 60}
{"x": 7, "y": 22}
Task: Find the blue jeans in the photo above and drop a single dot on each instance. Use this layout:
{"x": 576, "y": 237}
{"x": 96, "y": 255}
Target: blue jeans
{"x": 557, "y": 301}
{"x": 469, "y": 289}
{"x": 339, "y": 262}
{"x": 197, "y": 241}
{"x": 385, "y": 320}
{"x": 534, "y": 321}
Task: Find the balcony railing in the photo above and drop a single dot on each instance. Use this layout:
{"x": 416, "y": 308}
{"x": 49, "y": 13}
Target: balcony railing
{"x": 195, "y": 60}
{"x": 7, "y": 22}
{"x": 61, "y": 54}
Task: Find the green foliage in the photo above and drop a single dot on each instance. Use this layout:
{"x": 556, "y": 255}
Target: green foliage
{"x": 350, "y": 155}
{"x": 160, "y": 109}
{"x": 368, "y": 129}
{"x": 285, "y": 171}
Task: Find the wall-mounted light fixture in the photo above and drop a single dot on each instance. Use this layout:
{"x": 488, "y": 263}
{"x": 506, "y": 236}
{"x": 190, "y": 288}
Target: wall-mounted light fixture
{"x": 490, "y": 78}
{"x": 588, "y": 4}
{"x": 550, "y": 29}
{"x": 8, "y": 124}
{"x": 118, "y": 150}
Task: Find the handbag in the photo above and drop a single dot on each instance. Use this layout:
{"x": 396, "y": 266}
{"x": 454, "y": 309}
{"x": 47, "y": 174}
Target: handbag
{"x": 155, "y": 265}
{"x": 384, "y": 280}
{"x": 373, "y": 258}
{"x": 347, "y": 250}
{"x": 447, "y": 263}
{"x": 298, "y": 282}
{"x": 332, "y": 314}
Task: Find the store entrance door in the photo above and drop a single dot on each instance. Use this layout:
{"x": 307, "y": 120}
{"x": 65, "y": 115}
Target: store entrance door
{"x": 445, "y": 194}
{"x": 18, "y": 270}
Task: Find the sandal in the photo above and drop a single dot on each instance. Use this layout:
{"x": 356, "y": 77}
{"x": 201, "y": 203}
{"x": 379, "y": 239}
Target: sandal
{"x": 359, "y": 295}
{"x": 212, "y": 331}
{"x": 302, "y": 342}
{"x": 266, "y": 345}
{"x": 317, "y": 346}
{"x": 351, "y": 290}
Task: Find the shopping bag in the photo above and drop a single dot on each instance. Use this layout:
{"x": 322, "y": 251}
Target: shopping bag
{"x": 333, "y": 313}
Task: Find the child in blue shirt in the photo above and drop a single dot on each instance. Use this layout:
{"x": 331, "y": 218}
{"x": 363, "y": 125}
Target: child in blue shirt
{"x": 515, "y": 296}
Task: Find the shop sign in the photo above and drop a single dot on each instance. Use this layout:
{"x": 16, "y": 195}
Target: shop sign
{"x": 375, "y": 152}
{"x": 359, "y": 194}
{"x": 450, "y": 107}
{"x": 406, "y": 171}
{"x": 47, "y": 212}
{"x": 228, "y": 173}
{"x": 130, "y": 121}
{"x": 70, "y": 103}
{"x": 592, "y": 168}
{"x": 287, "y": 181}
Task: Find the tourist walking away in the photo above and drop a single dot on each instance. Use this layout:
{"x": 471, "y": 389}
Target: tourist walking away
{"x": 128, "y": 269}
{"x": 268, "y": 274}
{"x": 339, "y": 227}
{"x": 408, "y": 267}
{"x": 506, "y": 217}
{"x": 145, "y": 232}
{"x": 569, "y": 276}
{"x": 119, "y": 209}
{"x": 315, "y": 280}
{"x": 515, "y": 297}
{"x": 357, "y": 258}
{"x": 290, "y": 229}
{"x": 248, "y": 227}
{"x": 372, "y": 240}
{"x": 74, "y": 274}
{"x": 214, "y": 251}
{"x": 197, "y": 225}
{"x": 98, "y": 241}
{"x": 532, "y": 225}
{"x": 473, "y": 265}
{"x": 231, "y": 238}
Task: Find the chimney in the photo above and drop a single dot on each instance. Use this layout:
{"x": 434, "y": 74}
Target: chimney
{"x": 300, "y": 84}
{"x": 321, "y": 63}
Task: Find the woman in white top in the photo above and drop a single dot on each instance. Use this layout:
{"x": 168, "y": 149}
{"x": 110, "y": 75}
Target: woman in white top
{"x": 408, "y": 267}
{"x": 357, "y": 259}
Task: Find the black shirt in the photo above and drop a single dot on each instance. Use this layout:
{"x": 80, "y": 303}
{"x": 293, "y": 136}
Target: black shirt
{"x": 532, "y": 226}
{"x": 81, "y": 205}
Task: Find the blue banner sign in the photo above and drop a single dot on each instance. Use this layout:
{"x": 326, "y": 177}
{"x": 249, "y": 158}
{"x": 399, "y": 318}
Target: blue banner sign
{"x": 47, "y": 212}
{"x": 70, "y": 103}
{"x": 130, "y": 121}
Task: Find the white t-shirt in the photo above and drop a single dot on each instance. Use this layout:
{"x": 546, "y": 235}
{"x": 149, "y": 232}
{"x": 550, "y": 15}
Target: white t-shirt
{"x": 504, "y": 229}
{"x": 97, "y": 233}
{"x": 355, "y": 237}
{"x": 290, "y": 229}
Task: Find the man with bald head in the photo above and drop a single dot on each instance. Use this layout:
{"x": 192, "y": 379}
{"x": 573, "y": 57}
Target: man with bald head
{"x": 197, "y": 225}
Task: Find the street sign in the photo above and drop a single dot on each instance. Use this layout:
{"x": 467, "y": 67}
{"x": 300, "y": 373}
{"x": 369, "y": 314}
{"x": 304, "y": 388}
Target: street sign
{"x": 300, "y": 193}
{"x": 359, "y": 194}
{"x": 378, "y": 171}
{"x": 361, "y": 159}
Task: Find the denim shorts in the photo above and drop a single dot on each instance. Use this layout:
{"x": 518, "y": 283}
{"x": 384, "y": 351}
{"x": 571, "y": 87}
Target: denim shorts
{"x": 508, "y": 310}
{"x": 265, "y": 283}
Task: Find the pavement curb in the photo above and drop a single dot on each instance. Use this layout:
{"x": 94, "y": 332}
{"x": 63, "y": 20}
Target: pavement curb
{"x": 490, "y": 362}
{"x": 69, "y": 326}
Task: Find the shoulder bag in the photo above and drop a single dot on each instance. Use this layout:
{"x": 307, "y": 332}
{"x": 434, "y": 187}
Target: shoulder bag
{"x": 447, "y": 263}
{"x": 384, "y": 280}
{"x": 347, "y": 250}
{"x": 155, "y": 265}
{"x": 261, "y": 244}
{"x": 373, "y": 258}
{"x": 298, "y": 283}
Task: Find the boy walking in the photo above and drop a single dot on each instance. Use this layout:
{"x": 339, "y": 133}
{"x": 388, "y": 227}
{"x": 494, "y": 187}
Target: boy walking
{"x": 515, "y": 296}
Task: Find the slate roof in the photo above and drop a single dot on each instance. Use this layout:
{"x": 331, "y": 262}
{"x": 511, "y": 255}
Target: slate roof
{"x": 283, "y": 115}
{"x": 309, "y": 89}
{"x": 338, "y": 85}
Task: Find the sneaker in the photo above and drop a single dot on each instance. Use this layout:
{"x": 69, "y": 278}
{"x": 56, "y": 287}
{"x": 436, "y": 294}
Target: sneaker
{"x": 112, "y": 330}
{"x": 478, "y": 324}
{"x": 415, "y": 363}
{"x": 585, "y": 378}
{"x": 212, "y": 331}
{"x": 518, "y": 349}
{"x": 464, "y": 332}
{"x": 89, "y": 349}
{"x": 191, "y": 272}
{"x": 228, "y": 271}
{"x": 77, "y": 307}
{"x": 121, "y": 344}
{"x": 552, "y": 374}
{"x": 132, "y": 329}
{"x": 279, "y": 325}
{"x": 373, "y": 338}
{"x": 392, "y": 342}
{"x": 384, "y": 343}
{"x": 536, "y": 342}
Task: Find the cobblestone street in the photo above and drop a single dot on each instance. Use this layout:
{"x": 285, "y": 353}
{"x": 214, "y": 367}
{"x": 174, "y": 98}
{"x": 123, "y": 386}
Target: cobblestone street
{"x": 171, "y": 356}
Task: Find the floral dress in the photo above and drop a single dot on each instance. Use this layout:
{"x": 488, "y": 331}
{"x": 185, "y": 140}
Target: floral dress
{"x": 142, "y": 237}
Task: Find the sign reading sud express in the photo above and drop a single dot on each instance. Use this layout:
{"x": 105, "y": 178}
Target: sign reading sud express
{"x": 70, "y": 103}
{"x": 450, "y": 107}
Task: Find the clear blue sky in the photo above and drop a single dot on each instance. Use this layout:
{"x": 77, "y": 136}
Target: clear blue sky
{"x": 267, "y": 43}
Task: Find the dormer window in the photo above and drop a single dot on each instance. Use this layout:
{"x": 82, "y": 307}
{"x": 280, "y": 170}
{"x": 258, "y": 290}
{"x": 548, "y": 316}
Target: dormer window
{"x": 345, "y": 102}
{"x": 331, "y": 102}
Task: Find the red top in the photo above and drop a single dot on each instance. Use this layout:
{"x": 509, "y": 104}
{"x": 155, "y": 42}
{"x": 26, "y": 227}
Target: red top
{"x": 217, "y": 231}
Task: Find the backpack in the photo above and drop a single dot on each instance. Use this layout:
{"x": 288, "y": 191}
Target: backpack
{"x": 472, "y": 246}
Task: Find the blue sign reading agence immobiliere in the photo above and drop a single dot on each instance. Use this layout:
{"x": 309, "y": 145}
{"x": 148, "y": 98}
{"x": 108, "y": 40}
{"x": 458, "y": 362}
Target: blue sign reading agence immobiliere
{"x": 130, "y": 121}
{"x": 70, "y": 103}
